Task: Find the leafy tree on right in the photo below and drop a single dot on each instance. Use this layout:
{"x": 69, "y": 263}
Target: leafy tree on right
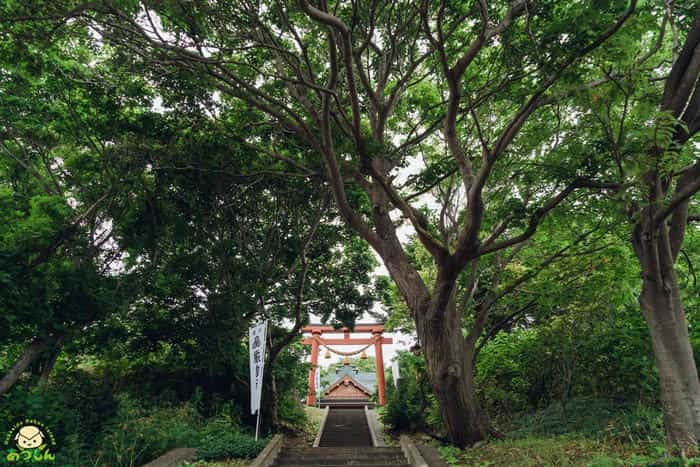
{"x": 643, "y": 123}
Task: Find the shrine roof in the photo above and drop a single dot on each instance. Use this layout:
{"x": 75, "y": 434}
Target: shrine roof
{"x": 366, "y": 380}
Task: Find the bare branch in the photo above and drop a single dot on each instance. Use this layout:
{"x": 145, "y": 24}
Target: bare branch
{"x": 65, "y": 234}
{"x": 299, "y": 294}
{"x": 419, "y": 222}
{"x": 539, "y": 213}
{"x": 345, "y": 36}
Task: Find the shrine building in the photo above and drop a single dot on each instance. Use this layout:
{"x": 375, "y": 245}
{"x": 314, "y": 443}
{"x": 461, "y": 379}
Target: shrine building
{"x": 349, "y": 387}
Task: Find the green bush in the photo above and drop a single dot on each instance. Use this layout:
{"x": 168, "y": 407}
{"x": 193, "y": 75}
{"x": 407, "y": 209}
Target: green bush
{"x": 596, "y": 419}
{"x": 578, "y": 354}
{"x": 138, "y": 435}
{"x": 74, "y": 406}
{"x": 503, "y": 375}
{"x": 401, "y": 411}
{"x": 654, "y": 461}
{"x": 641, "y": 424}
{"x": 290, "y": 412}
{"x": 92, "y": 426}
{"x": 90, "y": 397}
{"x": 412, "y": 406}
{"x": 220, "y": 439}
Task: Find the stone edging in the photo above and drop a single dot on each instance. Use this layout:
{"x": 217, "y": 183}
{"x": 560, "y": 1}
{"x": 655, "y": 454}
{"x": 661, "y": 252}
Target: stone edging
{"x": 173, "y": 457}
{"x": 411, "y": 452}
{"x": 317, "y": 441}
{"x": 374, "y": 429}
{"x": 267, "y": 456}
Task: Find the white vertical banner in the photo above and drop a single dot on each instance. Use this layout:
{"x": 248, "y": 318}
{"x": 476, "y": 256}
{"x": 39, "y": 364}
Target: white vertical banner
{"x": 395, "y": 372}
{"x": 256, "y": 343}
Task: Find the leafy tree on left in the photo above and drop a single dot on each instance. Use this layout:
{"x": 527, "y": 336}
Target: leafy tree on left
{"x": 170, "y": 236}
{"x": 60, "y": 125}
{"x": 213, "y": 243}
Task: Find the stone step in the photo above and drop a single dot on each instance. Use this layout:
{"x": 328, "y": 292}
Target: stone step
{"x": 349, "y": 463}
{"x": 341, "y": 449}
{"x": 346, "y": 427}
{"x": 339, "y": 460}
{"x": 340, "y": 457}
{"x": 174, "y": 457}
{"x": 345, "y": 442}
{"x": 372, "y": 455}
{"x": 369, "y": 453}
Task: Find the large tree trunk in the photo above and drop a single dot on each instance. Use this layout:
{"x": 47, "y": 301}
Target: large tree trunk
{"x": 678, "y": 375}
{"x": 448, "y": 357}
{"x": 274, "y": 401}
{"x": 31, "y": 352}
{"x": 449, "y": 361}
{"x": 663, "y": 311}
{"x": 51, "y": 361}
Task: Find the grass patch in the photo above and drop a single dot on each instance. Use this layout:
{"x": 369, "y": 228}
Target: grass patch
{"x": 593, "y": 432}
{"x": 530, "y": 452}
{"x": 584, "y": 416}
{"x": 562, "y": 451}
{"x": 139, "y": 434}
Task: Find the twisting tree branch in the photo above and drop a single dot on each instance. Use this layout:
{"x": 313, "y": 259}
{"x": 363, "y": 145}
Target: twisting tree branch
{"x": 540, "y": 212}
{"x": 285, "y": 340}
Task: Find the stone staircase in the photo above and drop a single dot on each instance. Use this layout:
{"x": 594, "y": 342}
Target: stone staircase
{"x": 345, "y": 441}
{"x": 346, "y": 427}
{"x": 340, "y": 456}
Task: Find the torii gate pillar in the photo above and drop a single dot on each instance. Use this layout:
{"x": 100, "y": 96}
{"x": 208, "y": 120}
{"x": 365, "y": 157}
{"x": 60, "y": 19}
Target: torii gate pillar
{"x": 380, "y": 366}
{"x": 311, "y": 396}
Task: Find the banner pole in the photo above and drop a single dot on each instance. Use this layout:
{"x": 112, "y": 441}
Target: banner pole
{"x": 257, "y": 426}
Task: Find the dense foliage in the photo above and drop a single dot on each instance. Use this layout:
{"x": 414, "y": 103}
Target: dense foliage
{"x": 174, "y": 172}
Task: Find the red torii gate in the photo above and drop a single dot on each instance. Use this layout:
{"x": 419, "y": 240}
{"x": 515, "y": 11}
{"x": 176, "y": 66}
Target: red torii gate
{"x": 316, "y": 340}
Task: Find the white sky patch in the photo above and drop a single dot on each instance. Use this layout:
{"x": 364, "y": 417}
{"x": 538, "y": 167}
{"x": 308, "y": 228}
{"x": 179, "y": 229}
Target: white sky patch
{"x": 72, "y": 202}
{"x": 157, "y": 105}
